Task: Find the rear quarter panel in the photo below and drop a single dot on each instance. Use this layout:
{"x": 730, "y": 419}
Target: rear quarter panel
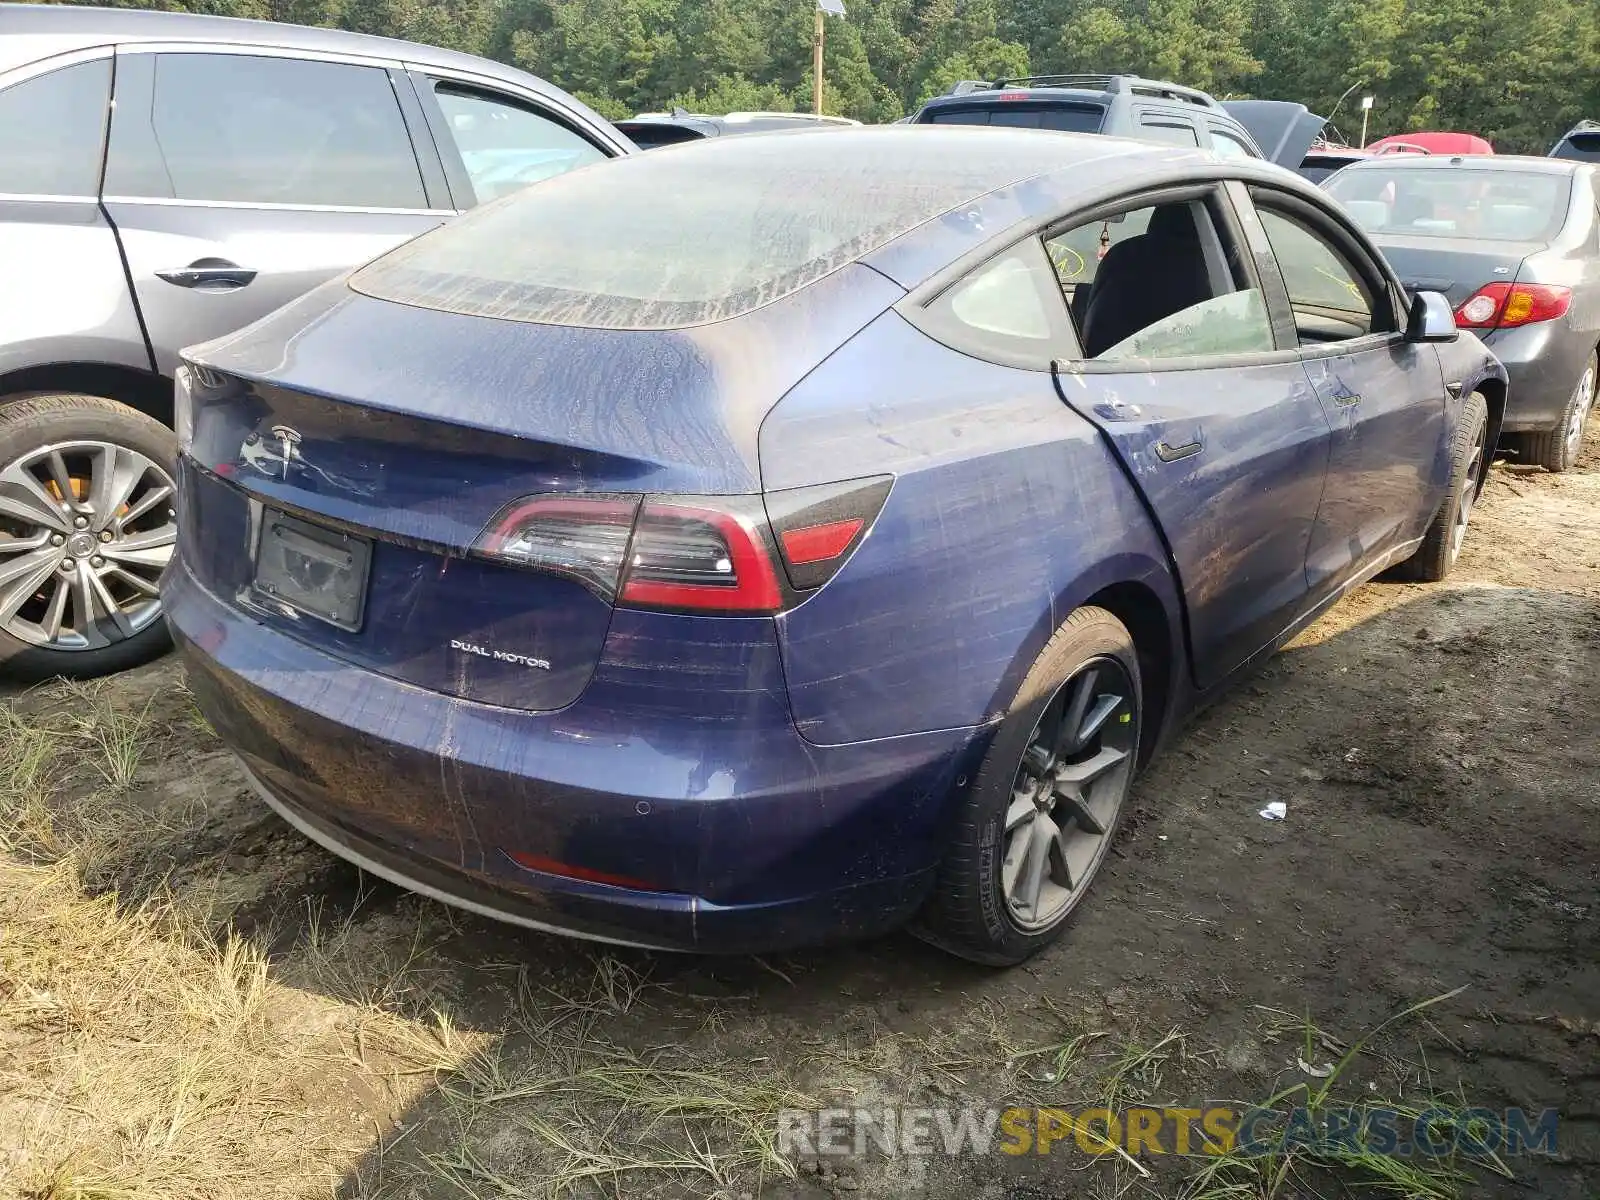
{"x": 63, "y": 295}
{"x": 1007, "y": 511}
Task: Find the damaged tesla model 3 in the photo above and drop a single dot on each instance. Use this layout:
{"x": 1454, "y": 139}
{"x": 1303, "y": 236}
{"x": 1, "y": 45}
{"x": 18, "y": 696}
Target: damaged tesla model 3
{"x": 781, "y": 539}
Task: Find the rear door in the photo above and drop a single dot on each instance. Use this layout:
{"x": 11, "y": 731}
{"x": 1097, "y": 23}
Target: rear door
{"x": 1215, "y": 423}
{"x": 240, "y": 178}
{"x": 1384, "y": 396}
{"x": 63, "y": 296}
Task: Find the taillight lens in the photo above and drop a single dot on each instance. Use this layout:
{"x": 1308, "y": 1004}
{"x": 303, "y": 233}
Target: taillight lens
{"x": 704, "y": 554}
{"x": 818, "y": 528}
{"x": 581, "y": 537}
{"x": 1508, "y": 305}
{"x": 687, "y": 555}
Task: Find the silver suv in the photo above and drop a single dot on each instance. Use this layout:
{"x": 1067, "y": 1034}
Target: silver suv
{"x": 167, "y": 178}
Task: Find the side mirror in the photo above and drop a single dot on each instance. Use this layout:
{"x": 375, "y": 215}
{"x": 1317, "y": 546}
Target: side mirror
{"x": 1430, "y": 319}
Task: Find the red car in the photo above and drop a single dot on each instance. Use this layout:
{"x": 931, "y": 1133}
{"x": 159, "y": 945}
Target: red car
{"x": 1431, "y": 143}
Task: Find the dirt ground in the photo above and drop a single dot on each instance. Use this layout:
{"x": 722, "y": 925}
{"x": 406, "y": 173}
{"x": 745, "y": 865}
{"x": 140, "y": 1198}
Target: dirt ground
{"x": 196, "y": 1001}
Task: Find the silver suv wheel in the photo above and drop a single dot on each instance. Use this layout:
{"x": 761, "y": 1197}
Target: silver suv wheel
{"x": 86, "y": 529}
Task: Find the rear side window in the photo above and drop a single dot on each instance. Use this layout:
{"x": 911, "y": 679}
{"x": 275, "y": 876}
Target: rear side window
{"x": 1167, "y": 288}
{"x": 1225, "y": 145}
{"x": 256, "y": 130}
{"x": 1064, "y": 118}
{"x": 52, "y": 131}
{"x": 1002, "y": 298}
{"x": 1585, "y": 147}
{"x": 1169, "y": 133}
{"x": 505, "y": 146}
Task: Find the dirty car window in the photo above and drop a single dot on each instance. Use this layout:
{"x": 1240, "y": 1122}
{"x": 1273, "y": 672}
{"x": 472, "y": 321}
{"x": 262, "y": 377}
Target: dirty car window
{"x": 682, "y": 236}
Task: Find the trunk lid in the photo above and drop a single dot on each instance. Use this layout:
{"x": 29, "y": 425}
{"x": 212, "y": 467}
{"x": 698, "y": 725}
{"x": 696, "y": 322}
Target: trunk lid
{"x": 1283, "y": 129}
{"x": 349, "y": 428}
{"x": 1455, "y": 266}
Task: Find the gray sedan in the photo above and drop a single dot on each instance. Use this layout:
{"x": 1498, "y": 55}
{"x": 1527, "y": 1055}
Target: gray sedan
{"x": 1513, "y": 243}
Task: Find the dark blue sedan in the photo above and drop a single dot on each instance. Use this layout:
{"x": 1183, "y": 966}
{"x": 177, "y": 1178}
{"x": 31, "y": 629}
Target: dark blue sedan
{"x": 780, "y": 539}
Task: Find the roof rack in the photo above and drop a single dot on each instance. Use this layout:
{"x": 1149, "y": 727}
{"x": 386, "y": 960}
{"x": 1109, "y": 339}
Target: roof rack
{"x": 791, "y": 116}
{"x": 1132, "y": 84}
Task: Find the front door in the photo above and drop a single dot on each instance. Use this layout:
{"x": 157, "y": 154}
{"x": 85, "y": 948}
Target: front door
{"x": 238, "y": 181}
{"x": 1216, "y": 425}
{"x": 1384, "y": 396}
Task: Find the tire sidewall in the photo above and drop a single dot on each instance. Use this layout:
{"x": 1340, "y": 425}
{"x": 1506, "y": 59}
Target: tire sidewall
{"x": 1472, "y": 428}
{"x": 38, "y": 420}
{"x": 1094, "y": 633}
{"x": 1571, "y": 454}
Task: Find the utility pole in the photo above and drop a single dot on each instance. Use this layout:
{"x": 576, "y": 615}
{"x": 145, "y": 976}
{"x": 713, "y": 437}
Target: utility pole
{"x": 824, "y": 8}
{"x": 816, "y": 62}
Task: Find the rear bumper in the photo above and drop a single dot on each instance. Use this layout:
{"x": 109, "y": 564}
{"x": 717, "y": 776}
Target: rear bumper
{"x": 1542, "y": 364}
{"x": 745, "y": 837}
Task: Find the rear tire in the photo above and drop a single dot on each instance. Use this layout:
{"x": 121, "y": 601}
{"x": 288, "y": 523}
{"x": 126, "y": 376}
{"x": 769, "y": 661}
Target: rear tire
{"x": 1086, "y": 676}
{"x": 108, "y": 619}
{"x": 1557, "y": 449}
{"x": 1469, "y": 457}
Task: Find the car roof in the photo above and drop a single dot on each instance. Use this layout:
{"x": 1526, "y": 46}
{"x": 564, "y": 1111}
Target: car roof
{"x": 988, "y": 157}
{"x": 1092, "y": 88}
{"x": 1471, "y": 162}
{"x": 30, "y": 32}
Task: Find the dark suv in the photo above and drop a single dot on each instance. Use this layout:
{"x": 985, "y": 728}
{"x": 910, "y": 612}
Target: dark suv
{"x": 168, "y": 178}
{"x": 1116, "y": 105}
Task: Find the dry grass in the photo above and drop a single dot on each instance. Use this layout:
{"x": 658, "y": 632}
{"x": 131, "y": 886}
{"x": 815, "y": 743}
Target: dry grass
{"x": 150, "y": 1049}
{"x": 147, "y": 1052}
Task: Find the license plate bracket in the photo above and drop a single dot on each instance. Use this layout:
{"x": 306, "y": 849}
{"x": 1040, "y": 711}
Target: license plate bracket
{"x": 313, "y": 570}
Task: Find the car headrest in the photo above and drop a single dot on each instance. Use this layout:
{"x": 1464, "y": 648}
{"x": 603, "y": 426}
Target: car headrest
{"x": 1369, "y": 214}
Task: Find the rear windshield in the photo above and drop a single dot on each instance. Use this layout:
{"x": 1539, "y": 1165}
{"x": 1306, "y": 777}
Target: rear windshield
{"x": 1016, "y": 114}
{"x": 650, "y": 135}
{"x": 710, "y": 231}
{"x": 1584, "y": 147}
{"x": 1500, "y": 205}
{"x": 1316, "y": 172}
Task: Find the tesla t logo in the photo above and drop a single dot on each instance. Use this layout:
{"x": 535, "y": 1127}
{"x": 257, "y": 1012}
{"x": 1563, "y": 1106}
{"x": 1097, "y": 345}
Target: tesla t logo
{"x": 289, "y": 445}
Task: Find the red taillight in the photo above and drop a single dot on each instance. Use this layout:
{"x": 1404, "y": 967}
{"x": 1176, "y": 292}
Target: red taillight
{"x": 818, "y": 543}
{"x": 819, "y": 526}
{"x": 705, "y": 554}
{"x": 686, "y": 556}
{"x": 582, "y": 537}
{"x": 1508, "y": 305}
{"x": 1013, "y": 95}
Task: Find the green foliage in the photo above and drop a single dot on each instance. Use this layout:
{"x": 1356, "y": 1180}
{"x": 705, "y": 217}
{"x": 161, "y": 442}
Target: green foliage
{"x": 1517, "y": 71}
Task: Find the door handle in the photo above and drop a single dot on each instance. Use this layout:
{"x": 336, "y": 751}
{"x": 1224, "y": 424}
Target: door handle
{"x": 1168, "y": 453}
{"x": 209, "y": 275}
